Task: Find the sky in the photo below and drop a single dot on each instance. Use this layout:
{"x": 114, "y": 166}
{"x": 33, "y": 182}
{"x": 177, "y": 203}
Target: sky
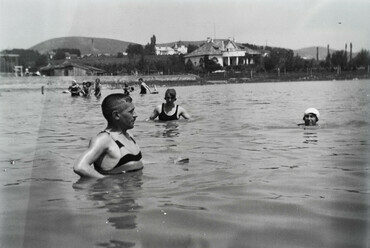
{"x": 289, "y": 24}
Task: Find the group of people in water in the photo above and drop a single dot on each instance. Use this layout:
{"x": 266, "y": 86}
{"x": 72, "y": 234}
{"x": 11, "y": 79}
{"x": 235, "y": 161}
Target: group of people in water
{"x": 114, "y": 151}
{"x": 86, "y": 90}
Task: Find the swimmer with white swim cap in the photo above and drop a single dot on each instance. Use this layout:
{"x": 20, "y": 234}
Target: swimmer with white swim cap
{"x": 310, "y": 117}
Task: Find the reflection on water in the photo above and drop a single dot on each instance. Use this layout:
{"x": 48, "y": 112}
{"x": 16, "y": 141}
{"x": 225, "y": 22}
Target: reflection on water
{"x": 116, "y": 195}
{"x": 168, "y": 129}
{"x": 310, "y": 137}
{"x": 171, "y": 129}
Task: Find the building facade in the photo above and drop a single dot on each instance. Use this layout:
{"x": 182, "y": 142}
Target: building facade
{"x": 177, "y": 48}
{"x": 224, "y": 52}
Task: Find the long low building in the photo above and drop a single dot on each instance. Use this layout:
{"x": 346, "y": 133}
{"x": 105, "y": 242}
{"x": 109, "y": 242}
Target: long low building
{"x": 224, "y": 52}
{"x": 70, "y": 69}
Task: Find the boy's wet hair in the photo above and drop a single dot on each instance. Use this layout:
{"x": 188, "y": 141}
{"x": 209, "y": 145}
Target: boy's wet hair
{"x": 113, "y": 102}
{"x": 171, "y": 93}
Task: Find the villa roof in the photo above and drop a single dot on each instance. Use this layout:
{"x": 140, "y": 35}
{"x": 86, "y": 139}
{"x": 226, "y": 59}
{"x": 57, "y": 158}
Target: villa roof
{"x": 216, "y": 47}
{"x": 67, "y": 64}
{"x": 209, "y": 48}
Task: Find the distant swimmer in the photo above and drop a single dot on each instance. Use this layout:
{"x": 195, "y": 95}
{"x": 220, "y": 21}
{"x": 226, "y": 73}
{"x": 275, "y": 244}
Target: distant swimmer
{"x": 113, "y": 151}
{"x": 127, "y": 90}
{"x": 310, "y": 117}
{"x": 144, "y": 88}
{"x": 74, "y": 89}
{"x": 97, "y": 90}
{"x": 169, "y": 111}
{"x": 86, "y": 89}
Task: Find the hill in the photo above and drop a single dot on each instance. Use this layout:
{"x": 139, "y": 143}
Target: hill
{"x": 310, "y": 52}
{"x": 90, "y": 45}
{"x": 86, "y": 45}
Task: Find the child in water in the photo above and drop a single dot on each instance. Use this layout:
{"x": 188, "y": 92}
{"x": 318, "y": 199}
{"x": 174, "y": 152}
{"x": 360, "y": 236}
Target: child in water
{"x": 169, "y": 111}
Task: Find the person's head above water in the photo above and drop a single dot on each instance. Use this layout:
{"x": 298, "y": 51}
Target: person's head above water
{"x": 113, "y": 104}
{"x": 311, "y": 117}
{"x": 170, "y": 94}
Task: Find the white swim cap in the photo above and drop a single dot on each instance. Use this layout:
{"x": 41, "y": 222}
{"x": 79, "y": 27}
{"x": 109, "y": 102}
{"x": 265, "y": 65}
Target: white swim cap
{"x": 312, "y": 111}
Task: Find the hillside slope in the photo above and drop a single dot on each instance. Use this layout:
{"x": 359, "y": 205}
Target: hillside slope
{"x": 90, "y": 45}
{"x": 86, "y": 45}
{"x": 310, "y": 52}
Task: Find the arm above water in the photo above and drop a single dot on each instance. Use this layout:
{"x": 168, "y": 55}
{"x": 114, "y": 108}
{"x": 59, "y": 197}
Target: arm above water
{"x": 183, "y": 113}
{"x": 156, "y": 112}
{"x": 146, "y": 87}
{"x": 84, "y": 165}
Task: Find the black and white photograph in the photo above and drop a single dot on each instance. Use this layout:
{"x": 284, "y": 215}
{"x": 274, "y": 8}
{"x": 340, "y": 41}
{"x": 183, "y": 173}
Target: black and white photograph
{"x": 184, "y": 124}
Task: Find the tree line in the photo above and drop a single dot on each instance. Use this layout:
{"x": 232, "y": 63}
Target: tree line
{"x": 143, "y": 60}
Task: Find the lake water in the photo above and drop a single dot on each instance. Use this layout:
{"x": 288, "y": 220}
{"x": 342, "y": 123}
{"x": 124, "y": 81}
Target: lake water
{"x": 254, "y": 179}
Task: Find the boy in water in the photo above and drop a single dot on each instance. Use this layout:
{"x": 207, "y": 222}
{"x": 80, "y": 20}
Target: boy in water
{"x": 169, "y": 111}
{"x": 97, "y": 90}
{"x": 112, "y": 151}
{"x": 86, "y": 89}
{"x": 144, "y": 88}
{"x": 310, "y": 117}
{"x": 127, "y": 90}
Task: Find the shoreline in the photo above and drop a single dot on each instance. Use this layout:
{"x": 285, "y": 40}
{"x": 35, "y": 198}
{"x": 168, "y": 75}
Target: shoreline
{"x": 9, "y": 83}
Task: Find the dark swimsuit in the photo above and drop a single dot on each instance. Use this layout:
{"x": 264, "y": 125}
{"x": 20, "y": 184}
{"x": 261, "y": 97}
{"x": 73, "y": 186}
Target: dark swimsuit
{"x": 125, "y": 159}
{"x": 163, "y": 117}
{"x": 97, "y": 91}
{"x": 75, "y": 91}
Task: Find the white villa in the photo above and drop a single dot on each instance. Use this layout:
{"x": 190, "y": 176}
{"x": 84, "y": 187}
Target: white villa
{"x": 168, "y": 50}
{"x": 224, "y": 52}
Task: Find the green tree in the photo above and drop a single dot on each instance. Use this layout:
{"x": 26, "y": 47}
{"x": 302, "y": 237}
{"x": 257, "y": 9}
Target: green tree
{"x": 27, "y": 58}
{"x": 134, "y": 49}
{"x": 210, "y": 65}
{"x": 339, "y": 58}
{"x": 60, "y": 53}
{"x": 189, "y": 66}
{"x": 150, "y": 48}
{"x": 362, "y": 58}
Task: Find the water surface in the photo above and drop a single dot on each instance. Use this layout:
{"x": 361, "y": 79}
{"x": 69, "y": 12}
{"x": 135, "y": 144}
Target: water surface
{"x": 254, "y": 179}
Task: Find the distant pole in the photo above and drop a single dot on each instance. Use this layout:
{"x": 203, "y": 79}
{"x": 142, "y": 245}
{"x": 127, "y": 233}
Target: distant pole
{"x": 214, "y": 30}
{"x": 42, "y": 89}
{"x": 317, "y": 53}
